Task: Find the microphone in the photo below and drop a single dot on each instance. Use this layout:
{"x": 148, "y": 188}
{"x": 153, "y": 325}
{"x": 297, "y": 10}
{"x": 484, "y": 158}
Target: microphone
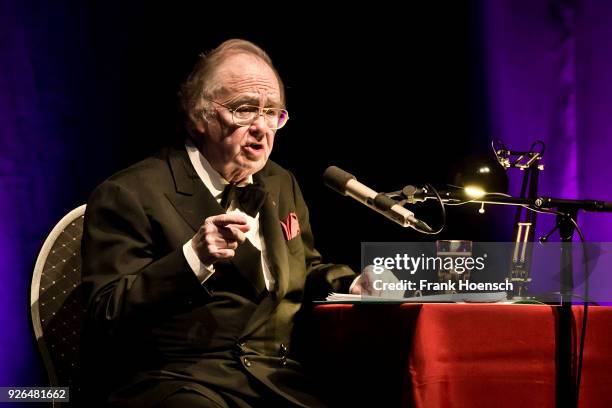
{"x": 346, "y": 184}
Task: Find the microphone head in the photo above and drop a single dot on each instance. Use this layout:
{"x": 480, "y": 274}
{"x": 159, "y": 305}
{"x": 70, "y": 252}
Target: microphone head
{"x": 336, "y": 179}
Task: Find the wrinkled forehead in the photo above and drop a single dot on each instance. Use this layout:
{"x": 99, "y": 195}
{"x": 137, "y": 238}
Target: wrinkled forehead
{"x": 245, "y": 75}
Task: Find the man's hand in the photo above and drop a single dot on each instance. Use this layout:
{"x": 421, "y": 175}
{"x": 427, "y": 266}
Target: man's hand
{"x": 364, "y": 283}
{"x": 219, "y": 236}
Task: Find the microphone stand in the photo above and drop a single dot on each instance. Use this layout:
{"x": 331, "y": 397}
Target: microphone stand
{"x": 566, "y": 211}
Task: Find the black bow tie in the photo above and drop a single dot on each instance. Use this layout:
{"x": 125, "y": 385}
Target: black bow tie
{"x": 250, "y": 197}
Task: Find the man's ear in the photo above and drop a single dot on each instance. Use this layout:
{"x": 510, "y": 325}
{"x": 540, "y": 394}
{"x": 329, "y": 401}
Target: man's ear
{"x": 201, "y": 125}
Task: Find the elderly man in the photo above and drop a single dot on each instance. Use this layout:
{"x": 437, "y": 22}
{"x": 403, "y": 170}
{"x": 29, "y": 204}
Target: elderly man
{"x": 196, "y": 260}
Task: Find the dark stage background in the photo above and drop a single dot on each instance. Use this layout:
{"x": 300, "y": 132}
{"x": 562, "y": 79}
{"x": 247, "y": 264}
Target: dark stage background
{"x": 396, "y": 98}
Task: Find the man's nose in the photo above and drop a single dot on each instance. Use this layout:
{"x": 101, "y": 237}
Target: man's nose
{"x": 259, "y": 127}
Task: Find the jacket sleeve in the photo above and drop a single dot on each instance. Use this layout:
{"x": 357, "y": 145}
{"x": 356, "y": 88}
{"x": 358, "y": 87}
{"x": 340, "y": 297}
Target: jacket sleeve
{"x": 125, "y": 278}
{"x": 322, "y": 278}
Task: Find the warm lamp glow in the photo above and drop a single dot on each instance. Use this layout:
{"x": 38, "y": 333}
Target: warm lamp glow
{"x": 474, "y": 191}
{"x": 480, "y": 175}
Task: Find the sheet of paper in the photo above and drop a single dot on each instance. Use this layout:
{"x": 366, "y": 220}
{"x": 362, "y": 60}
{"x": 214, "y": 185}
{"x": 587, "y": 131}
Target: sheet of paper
{"x": 493, "y": 297}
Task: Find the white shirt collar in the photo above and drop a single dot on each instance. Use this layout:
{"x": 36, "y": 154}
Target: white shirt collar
{"x": 213, "y": 181}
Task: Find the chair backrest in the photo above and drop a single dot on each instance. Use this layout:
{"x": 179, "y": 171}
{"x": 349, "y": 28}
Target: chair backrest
{"x": 56, "y": 304}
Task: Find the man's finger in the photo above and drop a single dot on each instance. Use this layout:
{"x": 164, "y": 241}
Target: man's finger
{"x": 225, "y": 243}
{"x": 231, "y": 244}
{"x": 232, "y": 233}
{"x": 241, "y": 227}
{"x": 225, "y": 253}
{"x": 224, "y": 219}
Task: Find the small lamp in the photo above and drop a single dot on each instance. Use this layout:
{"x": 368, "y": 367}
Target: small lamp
{"x": 480, "y": 175}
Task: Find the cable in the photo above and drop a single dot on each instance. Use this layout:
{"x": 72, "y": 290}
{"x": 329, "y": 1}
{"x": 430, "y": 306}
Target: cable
{"x": 475, "y": 199}
{"x": 534, "y": 144}
{"x": 442, "y": 211}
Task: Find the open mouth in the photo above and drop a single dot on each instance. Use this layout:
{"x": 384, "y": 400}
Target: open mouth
{"x": 254, "y": 147}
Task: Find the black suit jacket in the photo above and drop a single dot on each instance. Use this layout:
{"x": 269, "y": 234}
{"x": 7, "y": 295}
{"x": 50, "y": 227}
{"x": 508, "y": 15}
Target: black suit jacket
{"x": 152, "y": 327}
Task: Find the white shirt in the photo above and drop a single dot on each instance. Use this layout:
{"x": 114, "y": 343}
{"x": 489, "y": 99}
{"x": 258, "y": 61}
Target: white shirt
{"x": 215, "y": 183}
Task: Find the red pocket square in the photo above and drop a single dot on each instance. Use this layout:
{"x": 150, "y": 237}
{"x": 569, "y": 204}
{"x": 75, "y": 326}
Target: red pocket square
{"x": 291, "y": 226}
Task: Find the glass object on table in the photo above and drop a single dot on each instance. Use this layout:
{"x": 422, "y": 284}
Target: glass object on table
{"x": 452, "y": 255}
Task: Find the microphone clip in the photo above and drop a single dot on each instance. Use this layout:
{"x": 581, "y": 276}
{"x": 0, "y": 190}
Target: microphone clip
{"x": 409, "y": 195}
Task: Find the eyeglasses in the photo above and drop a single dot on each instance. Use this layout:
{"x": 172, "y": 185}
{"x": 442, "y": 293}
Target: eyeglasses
{"x": 244, "y": 115}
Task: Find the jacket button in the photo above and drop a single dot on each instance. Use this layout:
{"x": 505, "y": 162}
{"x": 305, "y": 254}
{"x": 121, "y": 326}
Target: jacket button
{"x": 247, "y": 362}
{"x": 239, "y": 348}
{"x": 283, "y": 361}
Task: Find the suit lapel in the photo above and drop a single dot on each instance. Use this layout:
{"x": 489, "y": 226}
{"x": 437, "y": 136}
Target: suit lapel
{"x": 276, "y": 249}
{"x": 192, "y": 200}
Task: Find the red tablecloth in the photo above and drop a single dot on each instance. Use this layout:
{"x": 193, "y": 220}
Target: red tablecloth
{"x": 453, "y": 355}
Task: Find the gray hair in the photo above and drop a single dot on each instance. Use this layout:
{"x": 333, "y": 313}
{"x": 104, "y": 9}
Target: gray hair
{"x": 200, "y": 82}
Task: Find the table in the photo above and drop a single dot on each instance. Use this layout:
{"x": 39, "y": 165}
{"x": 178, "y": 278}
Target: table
{"x": 452, "y": 355}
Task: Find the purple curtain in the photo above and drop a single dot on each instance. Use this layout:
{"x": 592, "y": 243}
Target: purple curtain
{"x": 548, "y": 67}
{"x": 18, "y": 195}
{"x": 44, "y": 66}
